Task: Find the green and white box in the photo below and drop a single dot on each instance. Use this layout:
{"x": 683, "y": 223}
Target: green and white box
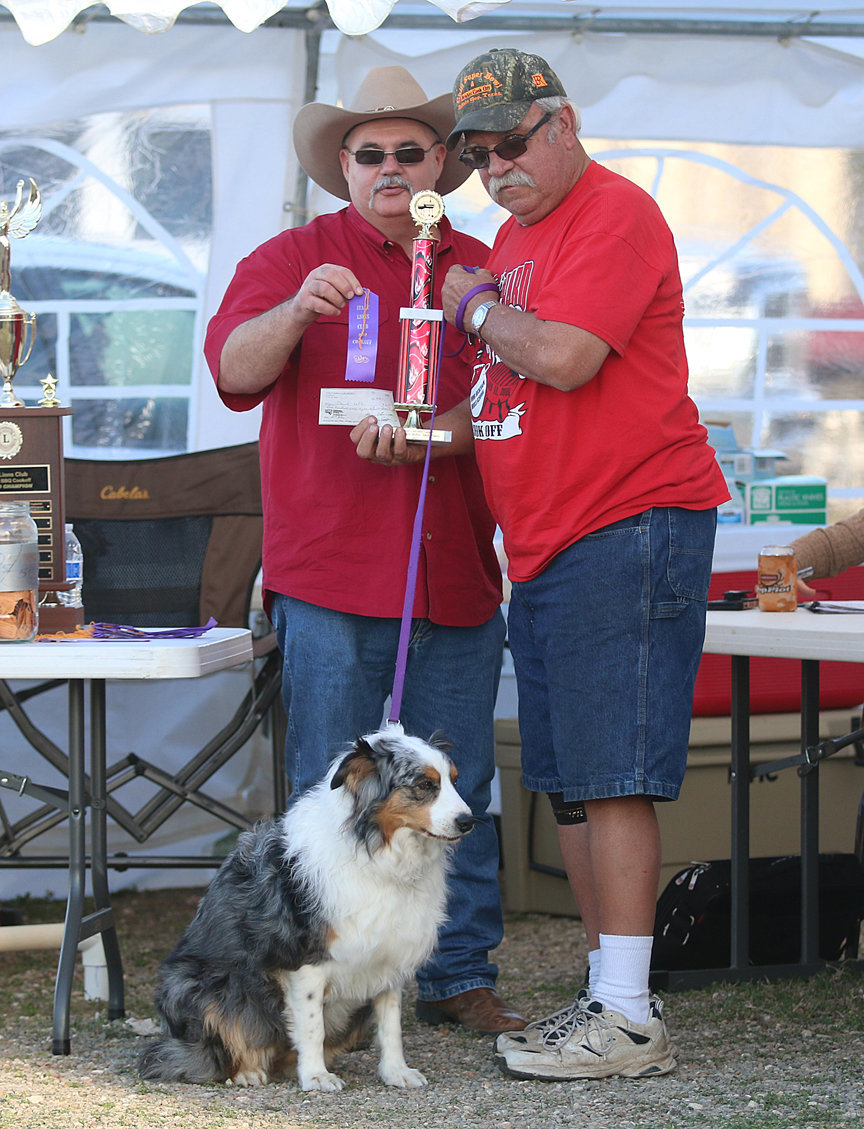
{"x": 798, "y": 498}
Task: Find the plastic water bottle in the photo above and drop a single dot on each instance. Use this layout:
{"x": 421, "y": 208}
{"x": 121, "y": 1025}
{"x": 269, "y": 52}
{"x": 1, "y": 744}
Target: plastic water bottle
{"x": 74, "y": 571}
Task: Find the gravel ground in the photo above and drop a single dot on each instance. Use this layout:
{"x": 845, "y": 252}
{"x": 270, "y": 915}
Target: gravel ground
{"x": 784, "y": 1056}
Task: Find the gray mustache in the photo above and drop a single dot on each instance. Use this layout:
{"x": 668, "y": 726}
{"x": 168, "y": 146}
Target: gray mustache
{"x": 391, "y": 181}
{"x": 512, "y": 179}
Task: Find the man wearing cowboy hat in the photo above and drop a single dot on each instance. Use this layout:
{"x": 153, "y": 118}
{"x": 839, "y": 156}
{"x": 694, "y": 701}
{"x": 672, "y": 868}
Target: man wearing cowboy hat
{"x": 337, "y": 531}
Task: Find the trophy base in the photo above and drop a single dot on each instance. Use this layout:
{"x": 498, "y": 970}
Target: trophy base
{"x": 421, "y": 435}
{"x": 59, "y": 617}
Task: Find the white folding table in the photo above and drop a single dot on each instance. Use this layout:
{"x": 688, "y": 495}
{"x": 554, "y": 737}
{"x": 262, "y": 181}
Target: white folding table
{"x": 811, "y": 638}
{"x": 92, "y": 662}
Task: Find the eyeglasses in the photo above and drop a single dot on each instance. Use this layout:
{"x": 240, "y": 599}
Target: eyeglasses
{"x": 477, "y": 156}
{"x": 408, "y": 155}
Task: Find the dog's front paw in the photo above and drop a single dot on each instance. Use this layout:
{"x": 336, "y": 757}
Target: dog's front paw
{"x": 248, "y": 1078}
{"x": 403, "y": 1076}
{"x": 321, "y": 1080}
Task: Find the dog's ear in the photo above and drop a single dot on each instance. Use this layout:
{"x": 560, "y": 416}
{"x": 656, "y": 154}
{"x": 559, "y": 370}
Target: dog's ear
{"x": 440, "y": 742}
{"x": 357, "y": 763}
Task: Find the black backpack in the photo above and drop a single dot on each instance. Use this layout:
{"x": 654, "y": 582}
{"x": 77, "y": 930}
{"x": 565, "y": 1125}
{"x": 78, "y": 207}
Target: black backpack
{"x": 692, "y": 924}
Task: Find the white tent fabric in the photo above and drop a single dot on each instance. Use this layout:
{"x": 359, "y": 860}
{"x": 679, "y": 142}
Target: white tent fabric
{"x": 702, "y": 88}
{"x": 723, "y": 89}
{"x": 253, "y": 86}
{"x": 42, "y": 20}
{"x": 660, "y": 87}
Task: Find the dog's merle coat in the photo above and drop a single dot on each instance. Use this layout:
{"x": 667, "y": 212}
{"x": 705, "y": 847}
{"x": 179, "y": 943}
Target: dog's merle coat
{"x": 313, "y": 923}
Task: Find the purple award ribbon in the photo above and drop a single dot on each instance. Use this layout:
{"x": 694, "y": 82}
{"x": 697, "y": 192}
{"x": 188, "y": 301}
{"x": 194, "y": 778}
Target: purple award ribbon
{"x": 362, "y": 338}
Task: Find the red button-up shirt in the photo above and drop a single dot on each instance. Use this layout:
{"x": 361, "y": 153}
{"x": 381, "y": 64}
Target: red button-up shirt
{"x": 337, "y": 529}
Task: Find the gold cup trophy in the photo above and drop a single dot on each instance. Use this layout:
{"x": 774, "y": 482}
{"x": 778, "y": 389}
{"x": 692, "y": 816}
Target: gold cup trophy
{"x": 31, "y": 438}
{"x": 17, "y": 327}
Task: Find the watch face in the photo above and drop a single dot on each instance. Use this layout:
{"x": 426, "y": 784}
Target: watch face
{"x": 479, "y": 316}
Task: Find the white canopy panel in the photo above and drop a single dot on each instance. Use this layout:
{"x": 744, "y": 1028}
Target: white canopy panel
{"x": 733, "y": 90}
{"x": 42, "y": 20}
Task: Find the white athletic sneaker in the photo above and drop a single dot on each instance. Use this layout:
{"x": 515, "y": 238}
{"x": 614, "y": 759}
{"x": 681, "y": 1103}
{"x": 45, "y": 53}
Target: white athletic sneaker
{"x": 556, "y": 1026}
{"x": 560, "y": 1025}
{"x": 592, "y": 1042}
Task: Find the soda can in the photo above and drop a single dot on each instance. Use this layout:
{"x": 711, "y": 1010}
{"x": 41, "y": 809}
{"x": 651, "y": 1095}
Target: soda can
{"x": 777, "y": 579}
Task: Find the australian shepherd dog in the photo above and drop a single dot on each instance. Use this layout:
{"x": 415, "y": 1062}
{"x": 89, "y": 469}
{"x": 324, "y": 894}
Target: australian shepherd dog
{"x": 313, "y": 924}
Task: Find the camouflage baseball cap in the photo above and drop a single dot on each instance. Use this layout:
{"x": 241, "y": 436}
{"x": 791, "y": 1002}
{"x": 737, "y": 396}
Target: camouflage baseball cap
{"x": 495, "y": 91}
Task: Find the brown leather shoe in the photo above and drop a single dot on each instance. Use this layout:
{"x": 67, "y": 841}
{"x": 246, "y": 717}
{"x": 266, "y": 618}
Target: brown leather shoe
{"x": 479, "y": 1009}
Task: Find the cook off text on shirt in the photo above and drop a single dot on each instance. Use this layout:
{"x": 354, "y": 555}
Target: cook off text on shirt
{"x": 497, "y": 406}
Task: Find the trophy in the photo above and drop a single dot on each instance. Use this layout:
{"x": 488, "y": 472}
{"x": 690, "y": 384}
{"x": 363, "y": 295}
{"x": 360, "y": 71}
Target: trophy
{"x": 31, "y": 438}
{"x": 17, "y": 327}
{"x": 420, "y": 346}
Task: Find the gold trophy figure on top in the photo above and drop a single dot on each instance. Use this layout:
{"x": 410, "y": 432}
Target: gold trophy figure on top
{"x": 17, "y": 327}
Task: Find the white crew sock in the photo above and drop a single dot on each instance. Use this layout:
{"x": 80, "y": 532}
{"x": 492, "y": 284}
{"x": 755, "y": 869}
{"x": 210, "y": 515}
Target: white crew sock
{"x": 593, "y": 970}
{"x": 622, "y": 982}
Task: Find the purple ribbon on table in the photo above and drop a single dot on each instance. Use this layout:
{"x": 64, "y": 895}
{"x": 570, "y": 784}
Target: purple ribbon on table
{"x": 118, "y": 632}
{"x": 362, "y": 338}
{"x": 123, "y": 631}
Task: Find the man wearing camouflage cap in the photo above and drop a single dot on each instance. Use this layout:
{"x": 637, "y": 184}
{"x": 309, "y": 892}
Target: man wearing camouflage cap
{"x": 581, "y": 371}
{"x": 599, "y": 474}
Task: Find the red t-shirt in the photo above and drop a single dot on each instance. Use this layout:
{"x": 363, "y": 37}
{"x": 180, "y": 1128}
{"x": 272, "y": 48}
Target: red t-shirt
{"x": 557, "y": 465}
{"x": 337, "y": 529}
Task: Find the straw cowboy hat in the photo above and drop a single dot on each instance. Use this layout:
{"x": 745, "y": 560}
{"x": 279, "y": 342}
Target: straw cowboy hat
{"x": 386, "y": 92}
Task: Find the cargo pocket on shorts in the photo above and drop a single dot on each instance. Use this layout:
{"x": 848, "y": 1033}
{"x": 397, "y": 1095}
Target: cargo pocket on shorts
{"x": 689, "y": 559}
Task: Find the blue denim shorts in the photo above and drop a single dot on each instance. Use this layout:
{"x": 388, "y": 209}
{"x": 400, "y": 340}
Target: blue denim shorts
{"x": 606, "y": 644}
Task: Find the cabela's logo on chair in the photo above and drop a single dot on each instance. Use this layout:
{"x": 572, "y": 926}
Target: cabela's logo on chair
{"x": 123, "y": 493}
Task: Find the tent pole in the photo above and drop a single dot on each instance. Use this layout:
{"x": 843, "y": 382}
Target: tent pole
{"x": 299, "y": 207}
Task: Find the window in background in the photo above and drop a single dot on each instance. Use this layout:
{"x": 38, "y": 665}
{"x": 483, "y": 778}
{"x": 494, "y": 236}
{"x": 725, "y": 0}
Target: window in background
{"x": 115, "y": 273}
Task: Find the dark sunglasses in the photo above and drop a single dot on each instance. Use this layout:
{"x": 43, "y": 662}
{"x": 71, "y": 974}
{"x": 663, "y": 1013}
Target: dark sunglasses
{"x": 409, "y": 155}
{"x": 477, "y": 157}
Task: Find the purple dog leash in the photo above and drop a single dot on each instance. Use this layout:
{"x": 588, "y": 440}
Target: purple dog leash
{"x": 410, "y": 587}
{"x": 413, "y": 563}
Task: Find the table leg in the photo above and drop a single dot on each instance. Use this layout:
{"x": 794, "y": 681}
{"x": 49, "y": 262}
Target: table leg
{"x": 99, "y": 850}
{"x": 809, "y": 814}
{"x": 740, "y": 783}
{"x": 77, "y": 871}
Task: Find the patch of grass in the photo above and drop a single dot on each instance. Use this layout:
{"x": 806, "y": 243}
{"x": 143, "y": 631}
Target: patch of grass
{"x": 812, "y": 1004}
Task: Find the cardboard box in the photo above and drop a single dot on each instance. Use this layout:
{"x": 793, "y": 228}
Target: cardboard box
{"x": 697, "y": 827}
{"x": 797, "y": 498}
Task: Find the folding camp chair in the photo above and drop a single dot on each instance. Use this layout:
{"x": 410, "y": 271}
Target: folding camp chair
{"x": 168, "y": 542}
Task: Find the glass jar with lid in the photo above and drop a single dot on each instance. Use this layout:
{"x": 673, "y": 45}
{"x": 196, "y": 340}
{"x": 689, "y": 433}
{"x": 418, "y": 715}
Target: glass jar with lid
{"x": 19, "y": 572}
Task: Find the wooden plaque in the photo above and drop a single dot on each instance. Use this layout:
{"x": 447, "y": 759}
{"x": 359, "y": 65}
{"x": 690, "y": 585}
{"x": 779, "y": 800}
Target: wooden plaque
{"x": 31, "y": 470}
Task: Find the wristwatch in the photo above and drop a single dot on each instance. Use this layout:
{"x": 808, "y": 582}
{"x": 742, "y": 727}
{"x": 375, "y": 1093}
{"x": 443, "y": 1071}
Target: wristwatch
{"x": 479, "y": 316}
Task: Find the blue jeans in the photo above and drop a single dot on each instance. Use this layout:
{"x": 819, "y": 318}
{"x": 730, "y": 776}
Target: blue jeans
{"x": 337, "y": 675}
{"x": 606, "y": 643}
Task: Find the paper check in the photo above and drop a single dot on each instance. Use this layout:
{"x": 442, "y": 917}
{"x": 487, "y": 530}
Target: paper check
{"x": 347, "y": 406}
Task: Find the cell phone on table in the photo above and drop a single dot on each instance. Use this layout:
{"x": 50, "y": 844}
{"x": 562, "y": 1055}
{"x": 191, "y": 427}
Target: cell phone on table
{"x": 736, "y": 600}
